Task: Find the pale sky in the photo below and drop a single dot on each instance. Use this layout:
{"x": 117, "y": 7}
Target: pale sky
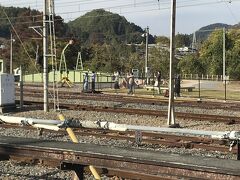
{"x": 191, "y": 14}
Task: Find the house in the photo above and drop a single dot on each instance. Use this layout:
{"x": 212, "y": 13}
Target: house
{"x": 185, "y": 50}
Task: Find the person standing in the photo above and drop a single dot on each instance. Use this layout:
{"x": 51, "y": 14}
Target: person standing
{"x": 158, "y": 78}
{"x": 130, "y": 78}
{"x": 85, "y": 82}
{"x": 177, "y": 85}
{"x": 116, "y": 81}
{"x": 93, "y": 81}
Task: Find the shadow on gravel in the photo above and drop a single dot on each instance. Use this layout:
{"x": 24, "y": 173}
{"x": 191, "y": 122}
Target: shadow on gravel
{"x": 48, "y": 176}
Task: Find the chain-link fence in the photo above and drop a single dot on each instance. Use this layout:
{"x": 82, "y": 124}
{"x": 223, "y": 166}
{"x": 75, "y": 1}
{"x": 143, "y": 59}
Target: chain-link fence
{"x": 192, "y": 86}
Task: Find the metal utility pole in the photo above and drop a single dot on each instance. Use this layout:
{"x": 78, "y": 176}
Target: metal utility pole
{"x": 194, "y": 42}
{"x": 11, "y": 55}
{"x": 37, "y": 55}
{"x": 45, "y": 57}
{"x": 79, "y": 64}
{"x": 21, "y": 87}
{"x": 171, "y": 113}
{"x": 146, "y": 56}
{"x": 52, "y": 45}
{"x": 224, "y": 56}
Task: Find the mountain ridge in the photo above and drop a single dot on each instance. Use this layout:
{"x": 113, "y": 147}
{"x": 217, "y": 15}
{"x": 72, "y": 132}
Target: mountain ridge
{"x": 113, "y": 27}
{"x": 99, "y": 23}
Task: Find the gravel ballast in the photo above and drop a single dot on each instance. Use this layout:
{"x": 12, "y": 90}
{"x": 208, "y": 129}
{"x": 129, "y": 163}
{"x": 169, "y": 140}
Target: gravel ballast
{"x": 14, "y": 170}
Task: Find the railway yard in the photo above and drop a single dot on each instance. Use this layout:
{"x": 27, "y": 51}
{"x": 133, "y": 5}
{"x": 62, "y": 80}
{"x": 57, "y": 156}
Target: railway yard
{"x": 129, "y": 138}
{"x": 87, "y": 94}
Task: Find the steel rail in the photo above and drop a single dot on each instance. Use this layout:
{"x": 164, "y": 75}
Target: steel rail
{"x": 129, "y": 99}
{"x": 148, "y": 138}
{"x": 132, "y": 111}
{"x": 141, "y": 162}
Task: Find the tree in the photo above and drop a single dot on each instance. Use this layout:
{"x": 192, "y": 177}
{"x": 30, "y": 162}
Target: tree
{"x": 159, "y": 61}
{"x": 233, "y": 54}
{"x": 211, "y": 53}
{"x": 182, "y": 40}
{"x": 191, "y": 64}
{"x": 162, "y": 41}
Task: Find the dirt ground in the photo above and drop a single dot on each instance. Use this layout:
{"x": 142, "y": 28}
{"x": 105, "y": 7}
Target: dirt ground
{"x": 212, "y": 85}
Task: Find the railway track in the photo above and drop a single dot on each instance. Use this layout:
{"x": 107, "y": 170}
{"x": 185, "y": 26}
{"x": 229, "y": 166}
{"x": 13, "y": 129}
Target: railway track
{"x": 144, "y": 168}
{"x": 182, "y": 115}
{"x": 234, "y": 106}
{"x": 127, "y": 162}
{"x": 146, "y": 138}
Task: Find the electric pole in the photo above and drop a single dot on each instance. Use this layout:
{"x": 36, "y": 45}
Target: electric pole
{"x": 171, "y": 113}
{"x": 224, "y": 56}
{"x": 194, "y": 42}
{"x": 79, "y": 64}
{"x": 146, "y": 56}
{"x": 11, "y": 55}
{"x": 45, "y": 56}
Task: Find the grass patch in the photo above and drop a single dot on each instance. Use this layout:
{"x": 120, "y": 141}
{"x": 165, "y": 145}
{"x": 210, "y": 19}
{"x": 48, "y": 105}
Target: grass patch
{"x": 213, "y": 94}
{"x": 208, "y": 94}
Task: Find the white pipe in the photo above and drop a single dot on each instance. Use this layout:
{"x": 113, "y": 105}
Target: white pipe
{"x": 104, "y": 125}
{"x": 44, "y": 126}
{"x": 30, "y": 121}
{"x": 43, "y": 121}
{"x": 233, "y": 135}
{"x": 181, "y": 131}
{"x": 52, "y": 124}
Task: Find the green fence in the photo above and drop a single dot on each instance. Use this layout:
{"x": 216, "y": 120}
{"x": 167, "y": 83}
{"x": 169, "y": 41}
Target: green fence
{"x": 73, "y": 76}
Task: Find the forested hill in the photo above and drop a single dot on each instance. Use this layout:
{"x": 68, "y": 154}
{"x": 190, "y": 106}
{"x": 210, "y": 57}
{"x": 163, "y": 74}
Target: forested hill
{"x": 97, "y": 26}
{"x": 205, "y": 31}
{"x": 22, "y": 19}
{"x": 17, "y": 13}
{"x": 101, "y": 26}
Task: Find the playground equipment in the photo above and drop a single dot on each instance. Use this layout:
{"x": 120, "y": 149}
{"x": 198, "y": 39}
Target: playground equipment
{"x": 63, "y": 69}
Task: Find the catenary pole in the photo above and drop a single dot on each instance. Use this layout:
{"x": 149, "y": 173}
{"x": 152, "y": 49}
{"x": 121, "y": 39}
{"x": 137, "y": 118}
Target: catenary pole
{"x": 11, "y": 54}
{"x": 224, "y": 56}
{"x": 146, "y": 56}
{"x": 45, "y": 58}
{"x": 171, "y": 114}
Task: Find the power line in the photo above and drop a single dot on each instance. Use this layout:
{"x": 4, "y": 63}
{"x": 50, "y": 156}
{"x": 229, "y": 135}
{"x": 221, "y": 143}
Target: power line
{"x": 129, "y": 5}
{"x": 126, "y": 6}
{"x": 231, "y": 12}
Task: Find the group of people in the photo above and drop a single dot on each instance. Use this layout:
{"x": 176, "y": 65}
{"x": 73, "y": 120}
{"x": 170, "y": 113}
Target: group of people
{"x": 128, "y": 80}
{"x": 177, "y": 84}
{"x": 86, "y": 81}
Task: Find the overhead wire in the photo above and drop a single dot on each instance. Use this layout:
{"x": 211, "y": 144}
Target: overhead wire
{"x": 128, "y": 12}
{"x": 231, "y": 12}
{"x": 87, "y": 2}
{"x": 71, "y": 3}
{"x": 180, "y": 6}
{"x": 141, "y": 4}
{"x": 146, "y": 10}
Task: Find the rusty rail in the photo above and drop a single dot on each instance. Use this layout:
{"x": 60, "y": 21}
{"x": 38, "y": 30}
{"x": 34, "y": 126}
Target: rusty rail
{"x": 148, "y": 138}
{"x": 234, "y": 106}
{"x": 202, "y": 117}
{"x": 149, "y": 164}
